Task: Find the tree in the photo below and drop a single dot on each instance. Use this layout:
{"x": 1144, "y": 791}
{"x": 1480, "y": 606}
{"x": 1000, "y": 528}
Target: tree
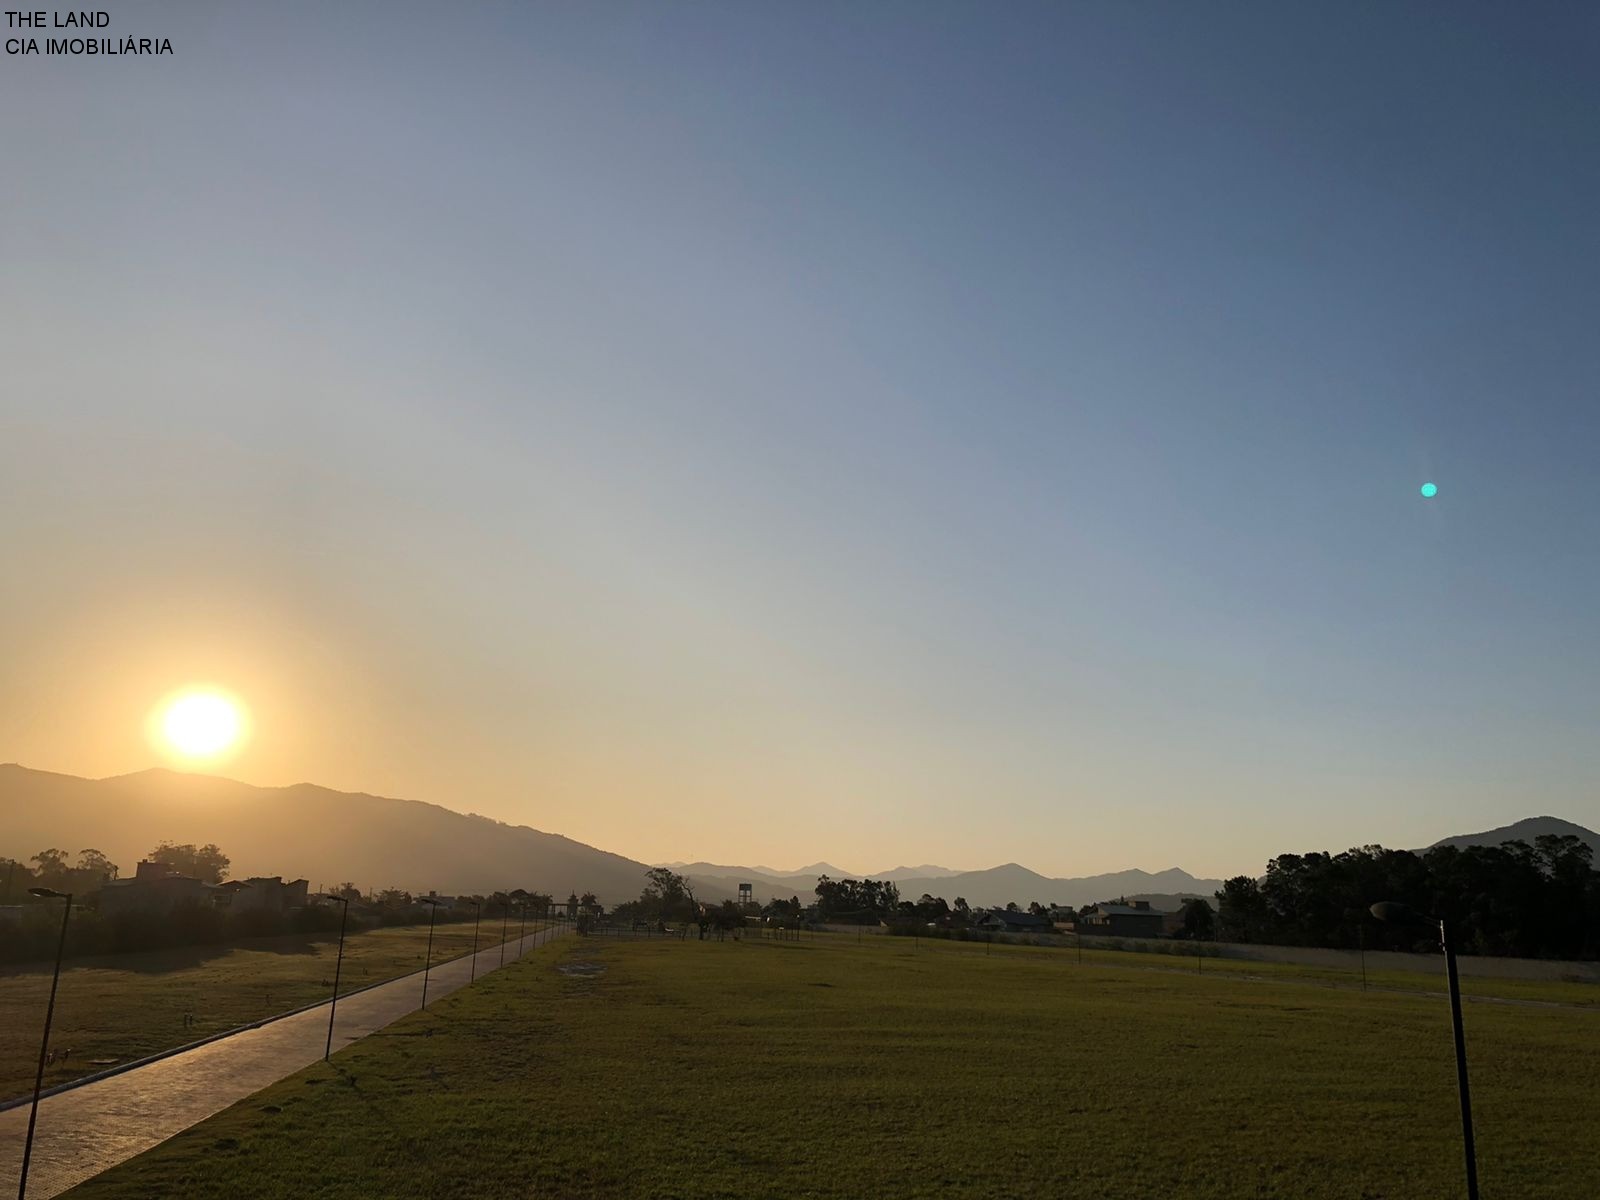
{"x": 15, "y": 878}
{"x": 96, "y": 865}
{"x": 727, "y": 916}
{"x": 206, "y": 863}
{"x": 782, "y": 910}
{"x": 864, "y": 900}
{"x": 932, "y": 909}
{"x": 1199, "y": 921}
{"x": 1244, "y": 915}
{"x": 53, "y": 870}
{"x": 668, "y": 895}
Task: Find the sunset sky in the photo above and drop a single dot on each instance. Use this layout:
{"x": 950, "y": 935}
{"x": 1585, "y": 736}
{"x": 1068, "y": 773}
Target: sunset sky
{"x": 888, "y": 433}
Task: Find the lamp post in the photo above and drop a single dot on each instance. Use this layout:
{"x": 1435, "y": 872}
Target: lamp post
{"x": 1394, "y": 913}
{"x": 522, "y": 929}
{"x": 50, "y": 1010}
{"x": 338, "y": 966}
{"x": 477, "y": 915}
{"x": 433, "y": 912}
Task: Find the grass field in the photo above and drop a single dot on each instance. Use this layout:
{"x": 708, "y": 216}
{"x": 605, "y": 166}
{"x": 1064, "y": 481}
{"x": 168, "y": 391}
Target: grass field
{"x": 825, "y": 1068}
{"x": 130, "y": 1005}
{"x": 1176, "y": 956}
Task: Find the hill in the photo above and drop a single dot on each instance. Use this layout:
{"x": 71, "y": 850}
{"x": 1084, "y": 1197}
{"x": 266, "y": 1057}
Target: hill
{"x": 1525, "y": 830}
{"x": 925, "y": 871}
{"x": 307, "y": 831}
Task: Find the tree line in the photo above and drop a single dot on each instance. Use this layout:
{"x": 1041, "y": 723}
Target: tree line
{"x": 53, "y": 868}
{"x": 1529, "y": 901}
{"x": 30, "y": 935}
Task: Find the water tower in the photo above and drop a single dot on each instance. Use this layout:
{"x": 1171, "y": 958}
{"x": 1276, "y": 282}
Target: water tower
{"x": 746, "y": 896}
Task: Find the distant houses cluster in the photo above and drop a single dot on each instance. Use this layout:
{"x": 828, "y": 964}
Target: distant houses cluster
{"x": 1134, "y": 919}
{"x": 158, "y": 887}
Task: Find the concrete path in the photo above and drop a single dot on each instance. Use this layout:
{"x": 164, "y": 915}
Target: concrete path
{"x": 89, "y": 1129}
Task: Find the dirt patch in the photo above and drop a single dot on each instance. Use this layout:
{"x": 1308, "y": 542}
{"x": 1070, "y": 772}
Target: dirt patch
{"x": 584, "y": 970}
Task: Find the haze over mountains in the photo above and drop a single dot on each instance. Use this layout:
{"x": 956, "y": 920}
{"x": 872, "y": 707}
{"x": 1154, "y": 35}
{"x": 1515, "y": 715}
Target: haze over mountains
{"x": 306, "y": 831}
{"x": 329, "y": 837}
{"x": 926, "y": 871}
{"x": 981, "y": 889}
{"x": 1000, "y": 885}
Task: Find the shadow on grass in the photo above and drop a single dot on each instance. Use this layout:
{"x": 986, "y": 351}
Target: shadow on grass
{"x": 178, "y": 958}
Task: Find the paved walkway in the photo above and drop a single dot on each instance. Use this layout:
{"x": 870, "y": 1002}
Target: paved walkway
{"x": 92, "y": 1128}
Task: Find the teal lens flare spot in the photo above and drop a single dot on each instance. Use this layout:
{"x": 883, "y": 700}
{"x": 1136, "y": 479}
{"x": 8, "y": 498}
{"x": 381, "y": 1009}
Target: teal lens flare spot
{"x": 1429, "y": 491}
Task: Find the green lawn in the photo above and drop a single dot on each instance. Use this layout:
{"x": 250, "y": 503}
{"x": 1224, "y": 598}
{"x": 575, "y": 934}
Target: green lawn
{"x": 130, "y": 1005}
{"x": 829, "y": 1069}
{"x": 1176, "y": 956}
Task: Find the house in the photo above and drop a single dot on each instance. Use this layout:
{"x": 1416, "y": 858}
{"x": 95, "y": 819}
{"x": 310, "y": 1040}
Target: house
{"x": 998, "y": 920}
{"x": 267, "y": 893}
{"x": 1137, "y": 919}
{"x": 155, "y": 887}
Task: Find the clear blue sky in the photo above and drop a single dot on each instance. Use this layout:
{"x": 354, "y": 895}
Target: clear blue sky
{"x": 926, "y": 432}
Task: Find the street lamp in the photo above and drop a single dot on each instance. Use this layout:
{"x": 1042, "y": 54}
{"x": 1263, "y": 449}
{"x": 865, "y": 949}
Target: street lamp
{"x": 344, "y": 919}
{"x": 1394, "y": 913}
{"x": 433, "y": 912}
{"x": 522, "y": 929}
{"x": 44, "y": 893}
{"x": 477, "y": 913}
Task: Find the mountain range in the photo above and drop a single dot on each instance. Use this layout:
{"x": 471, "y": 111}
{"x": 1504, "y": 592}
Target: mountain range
{"x": 1526, "y": 830}
{"x": 330, "y": 837}
{"x": 981, "y": 889}
{"x": 305, "y": 831}
{"x": 1165, "y": 890}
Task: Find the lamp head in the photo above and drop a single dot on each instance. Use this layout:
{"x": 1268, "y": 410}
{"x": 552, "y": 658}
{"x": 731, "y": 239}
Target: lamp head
{"x": 1392, "y": 912}
{"x": 45, "y": 893}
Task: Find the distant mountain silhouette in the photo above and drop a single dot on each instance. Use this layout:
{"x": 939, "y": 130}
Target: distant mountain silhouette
{"x": 997, "y": 885}
{"x": 816, "y": 868}
{"x": 1525, "y": 830}
{"x": 305, "y": 831}
{"x": 925, "y": 871}
{"x": 329, "y": 836}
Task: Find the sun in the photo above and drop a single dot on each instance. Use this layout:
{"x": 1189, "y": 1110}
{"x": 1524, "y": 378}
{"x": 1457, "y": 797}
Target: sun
{"x": 200, "y": 723}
